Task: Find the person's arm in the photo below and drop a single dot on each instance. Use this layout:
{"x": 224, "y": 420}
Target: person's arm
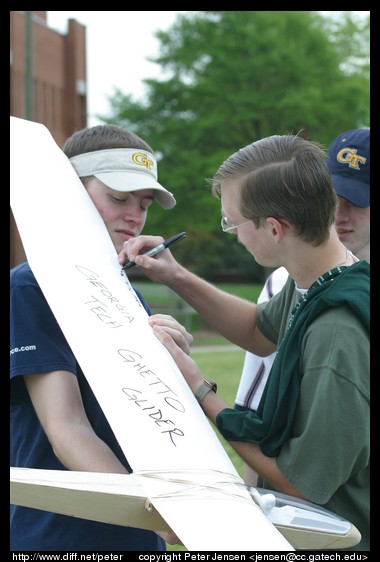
{"x": 212, "y": 405}
{"x": 231, "y": 316}
{"x": 58, "y": 404}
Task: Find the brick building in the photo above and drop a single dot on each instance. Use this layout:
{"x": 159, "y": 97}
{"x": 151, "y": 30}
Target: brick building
{"x": 48, "y": 83}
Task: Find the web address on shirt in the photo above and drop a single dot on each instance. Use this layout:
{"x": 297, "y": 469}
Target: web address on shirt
{"x": 23, "y": 348}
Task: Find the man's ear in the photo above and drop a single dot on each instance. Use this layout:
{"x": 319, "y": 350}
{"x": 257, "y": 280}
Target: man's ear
{"x": 278, "y": 228}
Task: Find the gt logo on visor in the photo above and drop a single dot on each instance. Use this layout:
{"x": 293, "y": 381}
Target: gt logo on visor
{"x": 142, "y": 160}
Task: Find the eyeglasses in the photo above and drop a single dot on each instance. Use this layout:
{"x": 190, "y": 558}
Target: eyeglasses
{"x": 230, "y": 228}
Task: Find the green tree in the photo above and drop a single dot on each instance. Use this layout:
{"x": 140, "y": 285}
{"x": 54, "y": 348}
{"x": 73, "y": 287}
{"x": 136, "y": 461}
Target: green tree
{"x": 229, "y": 78}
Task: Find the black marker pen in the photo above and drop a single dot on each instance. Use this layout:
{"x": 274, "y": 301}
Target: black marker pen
{"x": 159, "y": 248}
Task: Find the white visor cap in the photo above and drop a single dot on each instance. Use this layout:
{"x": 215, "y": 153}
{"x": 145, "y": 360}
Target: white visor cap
{"x": 124, "y": 169}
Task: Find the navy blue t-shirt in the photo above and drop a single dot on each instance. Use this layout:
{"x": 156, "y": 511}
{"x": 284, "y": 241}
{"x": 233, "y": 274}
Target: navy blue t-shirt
{"x": 39, "y": 346}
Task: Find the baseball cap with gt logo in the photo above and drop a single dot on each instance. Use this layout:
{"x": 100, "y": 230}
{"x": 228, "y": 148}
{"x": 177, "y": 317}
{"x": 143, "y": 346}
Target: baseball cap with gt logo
{"x": 348, "y": 159}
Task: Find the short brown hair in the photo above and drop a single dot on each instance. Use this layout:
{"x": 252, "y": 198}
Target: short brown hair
{"x": 102, "y": 137}
{"x": 285, "y": 177}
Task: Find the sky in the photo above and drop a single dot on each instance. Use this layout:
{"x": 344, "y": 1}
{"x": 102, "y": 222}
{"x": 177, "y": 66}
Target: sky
{"x": 118, "y": 44}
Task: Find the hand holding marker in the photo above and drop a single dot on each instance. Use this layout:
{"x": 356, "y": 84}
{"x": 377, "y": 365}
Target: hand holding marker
{"x": 159, "y": 248}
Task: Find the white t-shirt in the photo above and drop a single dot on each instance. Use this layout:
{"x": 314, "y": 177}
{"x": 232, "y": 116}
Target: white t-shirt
{"x": 256, "y": 369}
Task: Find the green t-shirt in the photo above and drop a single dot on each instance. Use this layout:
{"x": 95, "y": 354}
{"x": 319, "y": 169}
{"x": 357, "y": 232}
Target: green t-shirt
{"x": 325, "y": 450}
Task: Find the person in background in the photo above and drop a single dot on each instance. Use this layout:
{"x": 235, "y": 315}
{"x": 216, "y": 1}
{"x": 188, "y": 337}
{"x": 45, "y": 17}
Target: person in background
{"x": 56, "y": 420}
{"x": 348, "y": 159}
{"x": 310, "y": 435}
